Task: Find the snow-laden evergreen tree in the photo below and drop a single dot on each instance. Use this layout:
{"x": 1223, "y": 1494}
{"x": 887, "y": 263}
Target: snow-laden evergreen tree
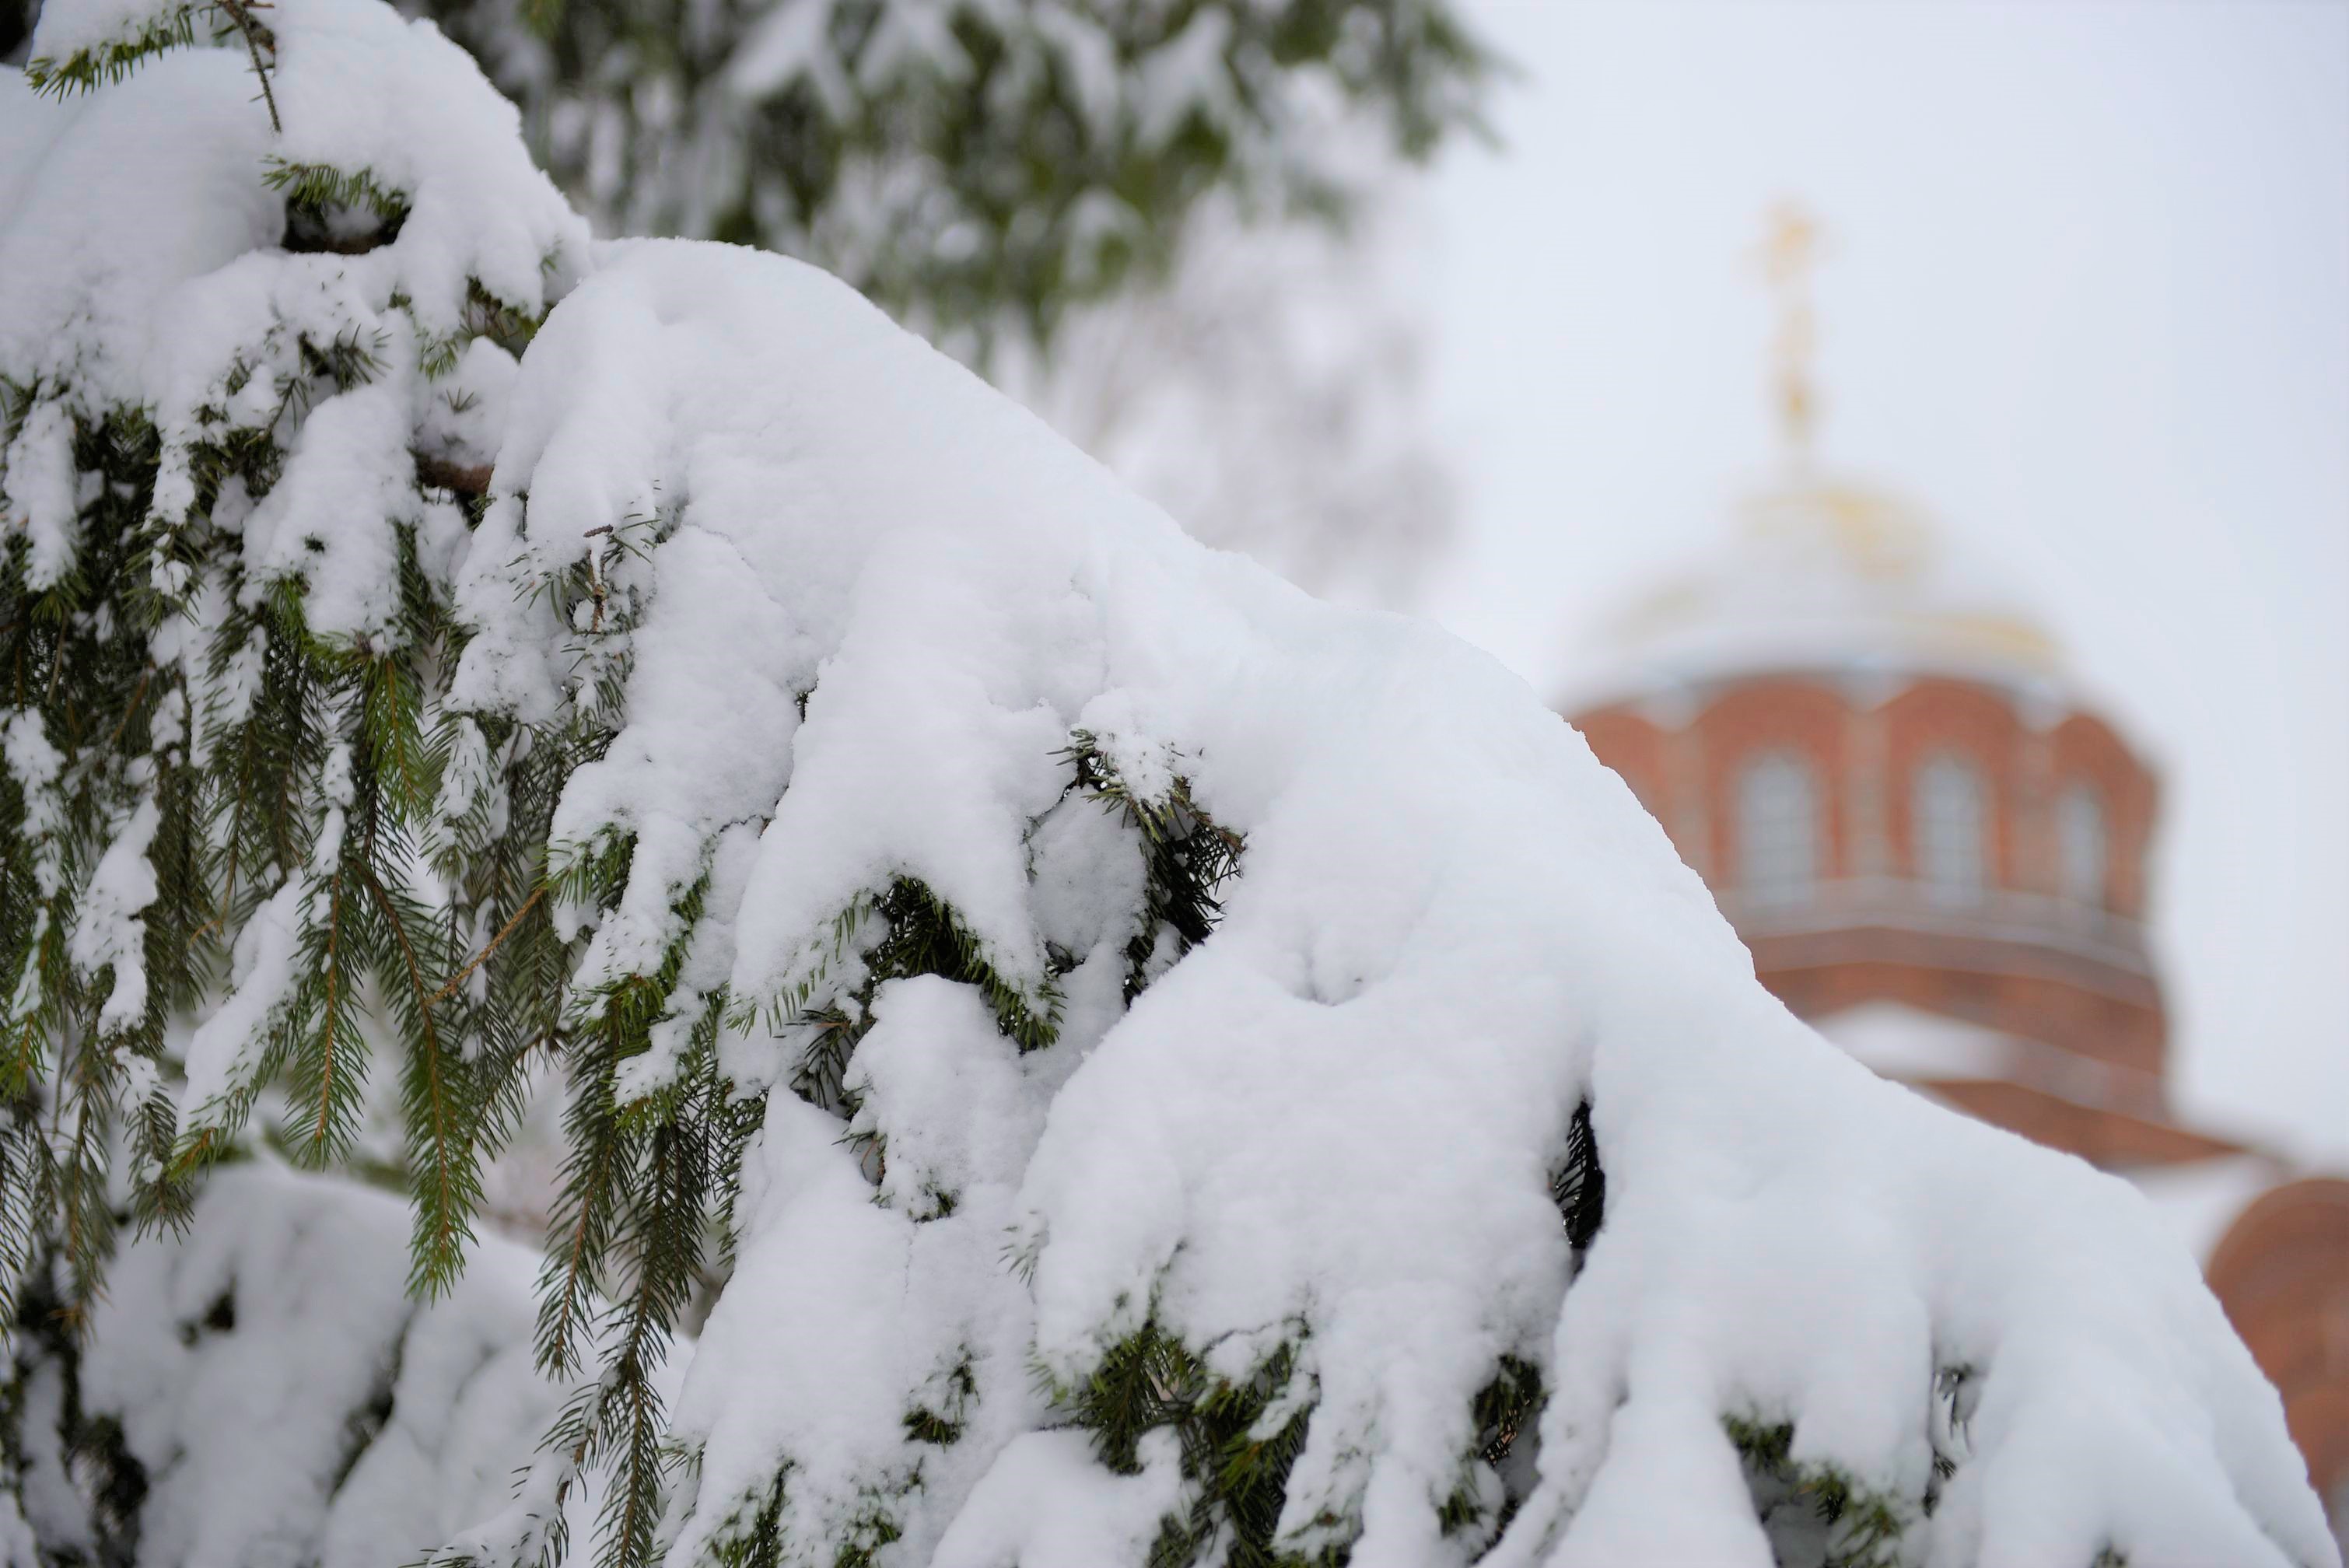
{"x": 1133, "y": 216}
{"x": 977, "y": 167}
{"x": 1292, "y": 356}
{"x": 1156, "y": 1070}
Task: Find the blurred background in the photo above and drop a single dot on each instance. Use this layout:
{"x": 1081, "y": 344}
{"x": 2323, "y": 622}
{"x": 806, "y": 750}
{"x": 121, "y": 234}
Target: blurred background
{"x": 1910, "y": 438}
{"x": 2082, "y": 296}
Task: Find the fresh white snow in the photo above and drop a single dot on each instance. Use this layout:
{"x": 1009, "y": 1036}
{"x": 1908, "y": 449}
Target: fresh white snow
{"x": 857, "y": 607}
{"x": 1331, "y": 1125}
{"x": 288, "y": 1400}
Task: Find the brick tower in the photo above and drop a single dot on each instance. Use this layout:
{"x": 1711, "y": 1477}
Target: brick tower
{"x": 1936, "y": 849}
{"x": 1932, "y": 847}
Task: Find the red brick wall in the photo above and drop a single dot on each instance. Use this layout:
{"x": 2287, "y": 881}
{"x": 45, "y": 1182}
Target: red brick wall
{"x": 1931, "y": 718}
{"x": 1776, "y": 715}
{"x": 1854, "y": 749}
{"x": 2084, "y": 749}
{"x": 1864, "y": 753}
{"x": 2282, "y": 1273}
{"x": 2102, "y": 1138}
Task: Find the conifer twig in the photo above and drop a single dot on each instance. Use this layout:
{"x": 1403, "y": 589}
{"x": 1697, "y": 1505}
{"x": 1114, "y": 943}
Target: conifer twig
{"x": 321, "y": 1139}
{"x": 444, "y": 1179}
{"x": 257, "y": 34}
{"x": 137, "y": 692}
{"x": 557, "y": 1355}
{"x": 480, "y": 958}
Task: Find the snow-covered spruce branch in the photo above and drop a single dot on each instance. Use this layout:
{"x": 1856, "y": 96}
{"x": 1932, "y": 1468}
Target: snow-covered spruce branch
{"x": 986, "y": 169}
{"x": 1154, "y": 1069}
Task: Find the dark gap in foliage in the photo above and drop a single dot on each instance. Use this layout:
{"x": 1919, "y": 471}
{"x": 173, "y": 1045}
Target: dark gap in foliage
{"x": 1815, "y": 1515}
{"x": 1955, "y": 1389}
{"x": 1579, "y": 1184}
{"x": 17, "y": 20}
{"x": 1239, "y": 1478}
{"x": 367, "y": 1423}
{"x": 1506, "y": 1410}
{"x": 1188, "y": 857}
{"x": 922, "y": 935}
{"x": 333, "y": 212}
{"x": 108, "y": 1479}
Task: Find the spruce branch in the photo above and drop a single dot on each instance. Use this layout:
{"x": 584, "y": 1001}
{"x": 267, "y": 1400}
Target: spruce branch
{"x": 130, "y": 708}
{"x": 446, "y": 1199}
{"x": 322, "y": 203}
{"x": 111, "y": 61}
{"x": 334, "y": 979}
{"x": 1187, "y": 858}
{"x": 1863, "y": 1528}
{"x": 583, "y": 1222}
{"x": 257, "y": 36}
{"x": 495, "y": 942}
{"x": 328, "y": 1050}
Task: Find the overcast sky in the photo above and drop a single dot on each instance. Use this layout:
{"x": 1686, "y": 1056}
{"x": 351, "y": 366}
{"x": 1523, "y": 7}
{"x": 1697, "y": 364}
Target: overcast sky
{"x": 2085, "y": 299}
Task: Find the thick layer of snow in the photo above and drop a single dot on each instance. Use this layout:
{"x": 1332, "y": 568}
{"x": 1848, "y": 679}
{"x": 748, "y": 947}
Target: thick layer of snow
{"x": 290, "y": 1404}
{"x": 170, "y": 293}
{"x": 106, "y": 931}
{"x": 858, "y": 608}
{"x": 1095, "y": 1517}
{"x": 1333, "y": 1124}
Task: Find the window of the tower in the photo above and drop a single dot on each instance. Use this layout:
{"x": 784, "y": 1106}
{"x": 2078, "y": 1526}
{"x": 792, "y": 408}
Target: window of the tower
{"x": 2081, "y": 845}
{"x": 1950, "y": 824}
{"x": 1778, "y": 828}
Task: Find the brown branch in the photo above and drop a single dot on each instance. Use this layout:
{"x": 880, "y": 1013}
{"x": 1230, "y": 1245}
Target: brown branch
{"x": 241, "y": 12}
{"x": 138, "y": 695}
{"x": 465, "y": 478}
{"x": 480, "y": 958}
{"x": 24, "y": 1061}
{"x": 192, "y": 1154}
{"x": 408, "y": 953}
{"x": 257, "y": 37}
{"x": 235, "y": 844}
{"x": 334, "y": 976}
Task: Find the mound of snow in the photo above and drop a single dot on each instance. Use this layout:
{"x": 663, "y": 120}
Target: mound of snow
{"x": 863, "y": 648}
{"x": 1330, "y": 1129}
{"x": 278, "y": 1396}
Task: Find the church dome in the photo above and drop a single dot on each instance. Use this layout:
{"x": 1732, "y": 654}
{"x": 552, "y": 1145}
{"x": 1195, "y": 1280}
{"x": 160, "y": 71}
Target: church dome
{"x": 1822, "y": 577}
{"x": 1868, "y": 745}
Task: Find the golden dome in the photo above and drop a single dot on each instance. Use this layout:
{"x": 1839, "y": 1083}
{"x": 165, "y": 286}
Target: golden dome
{"x": 1829, "y": 575}
{"x": 1822, "y": 574}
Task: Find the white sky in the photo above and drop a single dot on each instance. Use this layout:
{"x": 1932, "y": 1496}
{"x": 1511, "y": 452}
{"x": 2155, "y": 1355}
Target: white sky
{"x": 2086, "y": 299}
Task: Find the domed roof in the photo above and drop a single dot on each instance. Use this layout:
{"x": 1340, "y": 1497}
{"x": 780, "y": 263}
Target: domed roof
{"x": 1829, "y": 576}
{"x": 1821, "y": 575}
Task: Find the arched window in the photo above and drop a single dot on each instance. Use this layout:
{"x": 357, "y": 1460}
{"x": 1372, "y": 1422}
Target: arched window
{"x": 1778, "y": 828}
{"x": 2081, "y": 845}
{"x": 1950, "y": 828}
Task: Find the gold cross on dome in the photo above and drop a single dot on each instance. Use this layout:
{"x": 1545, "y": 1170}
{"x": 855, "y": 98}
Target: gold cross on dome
{"x": 1790, "y": 249}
